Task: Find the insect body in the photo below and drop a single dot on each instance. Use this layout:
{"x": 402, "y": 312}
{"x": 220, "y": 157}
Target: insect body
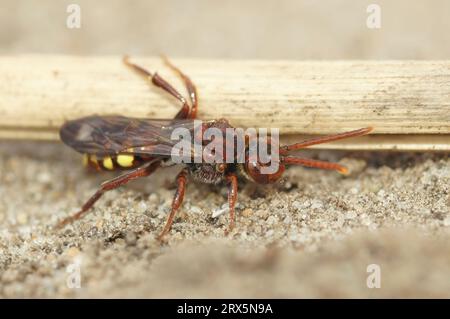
{"x": 140, "y": 146}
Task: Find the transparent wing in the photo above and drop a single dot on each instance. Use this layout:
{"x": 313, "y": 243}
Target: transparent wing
{"x": 110, "y": 135}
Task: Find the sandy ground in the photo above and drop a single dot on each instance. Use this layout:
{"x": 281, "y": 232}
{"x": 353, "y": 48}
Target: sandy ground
{"x": 312, "y": 235}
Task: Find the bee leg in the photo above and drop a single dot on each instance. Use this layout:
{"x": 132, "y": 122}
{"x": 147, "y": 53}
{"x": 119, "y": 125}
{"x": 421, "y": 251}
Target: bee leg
{"x": 232, "y": 197}
{"x": 116, "y": 182}
{"x": 176, "y": 203}
{"x": 158, "y": 81}
{"x": 190, "y": 87}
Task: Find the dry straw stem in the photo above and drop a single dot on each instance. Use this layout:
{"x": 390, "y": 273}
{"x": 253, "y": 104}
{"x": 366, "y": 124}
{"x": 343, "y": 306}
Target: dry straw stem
{"x": 407, "y": 102}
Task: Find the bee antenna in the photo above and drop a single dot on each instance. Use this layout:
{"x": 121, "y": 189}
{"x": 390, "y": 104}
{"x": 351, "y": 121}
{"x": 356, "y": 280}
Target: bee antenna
{"x": 324, "y": 139}
{"x": 291, "y": 160}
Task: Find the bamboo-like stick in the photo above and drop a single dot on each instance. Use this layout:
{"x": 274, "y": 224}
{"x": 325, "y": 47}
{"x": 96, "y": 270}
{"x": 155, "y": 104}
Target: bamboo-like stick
{"x": 407, "y": 102}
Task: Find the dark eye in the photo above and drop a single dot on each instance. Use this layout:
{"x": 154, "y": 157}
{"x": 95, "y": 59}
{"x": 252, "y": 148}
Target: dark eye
{"x": 253, "y": 169}
{"x": 254, "y": 165}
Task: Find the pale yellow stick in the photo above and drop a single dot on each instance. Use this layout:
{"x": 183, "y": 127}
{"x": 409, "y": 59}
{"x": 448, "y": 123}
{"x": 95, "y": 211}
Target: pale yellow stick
{"x": 38, "y": 93}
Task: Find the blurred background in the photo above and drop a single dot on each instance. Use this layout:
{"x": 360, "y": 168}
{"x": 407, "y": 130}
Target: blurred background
{"x": 252, "y": 29}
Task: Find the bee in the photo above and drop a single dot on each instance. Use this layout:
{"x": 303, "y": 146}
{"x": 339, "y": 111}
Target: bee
{"x": 140, "y": 146}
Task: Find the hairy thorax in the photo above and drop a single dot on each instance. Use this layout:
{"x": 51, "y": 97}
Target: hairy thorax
{"x": 206, "y": 173}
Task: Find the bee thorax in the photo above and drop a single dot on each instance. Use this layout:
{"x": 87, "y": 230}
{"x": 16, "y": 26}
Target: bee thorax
{"x": 205, "y": 173}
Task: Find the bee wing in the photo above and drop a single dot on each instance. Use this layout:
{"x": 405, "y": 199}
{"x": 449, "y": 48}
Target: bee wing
{"x": 110, "y": 135}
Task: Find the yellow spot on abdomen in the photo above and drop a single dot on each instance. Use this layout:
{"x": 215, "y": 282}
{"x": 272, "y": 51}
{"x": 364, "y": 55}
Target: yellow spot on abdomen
{"x": 108, "y": 163}
{"x": 85, "y": 160}
{"x": 125, "y": 160}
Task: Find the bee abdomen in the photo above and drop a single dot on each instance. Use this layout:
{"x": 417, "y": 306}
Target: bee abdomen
{"x": 110, "y": 163}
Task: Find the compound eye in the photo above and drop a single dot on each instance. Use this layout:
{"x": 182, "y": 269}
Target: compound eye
{"x": 221, "y": 167}
{"x": 253, "y": 169}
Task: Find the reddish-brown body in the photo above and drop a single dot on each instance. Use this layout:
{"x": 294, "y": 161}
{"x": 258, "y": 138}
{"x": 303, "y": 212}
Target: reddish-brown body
{"x": 141, "y": 146}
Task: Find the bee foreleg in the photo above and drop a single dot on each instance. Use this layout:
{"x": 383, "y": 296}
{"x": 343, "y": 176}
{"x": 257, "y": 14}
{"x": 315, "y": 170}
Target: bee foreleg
{"x": 232, "y": 197}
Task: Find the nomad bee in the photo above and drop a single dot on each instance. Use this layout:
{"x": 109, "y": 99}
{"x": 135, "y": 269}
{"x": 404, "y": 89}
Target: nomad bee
{"x": 140, "y": 146}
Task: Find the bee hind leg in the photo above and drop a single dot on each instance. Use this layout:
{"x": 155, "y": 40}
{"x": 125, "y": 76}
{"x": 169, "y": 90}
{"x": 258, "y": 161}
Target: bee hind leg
{"x": 111, "y": 184}
{"x": 158, "y": 81}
